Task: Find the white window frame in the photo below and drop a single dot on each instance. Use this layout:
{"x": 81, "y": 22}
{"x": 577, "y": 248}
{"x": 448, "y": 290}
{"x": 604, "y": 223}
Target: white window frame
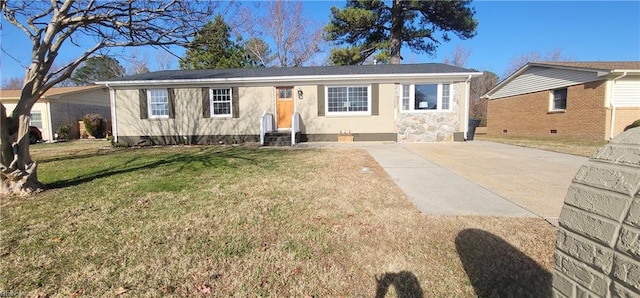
{"x": 412, "y": 98}
{"x": 149, "y": 107}
{"x": 211, "y": 105}
{"x": 31, "y": 122}
{"x": 356, "y": 113}
{"x": 552, "y": 104}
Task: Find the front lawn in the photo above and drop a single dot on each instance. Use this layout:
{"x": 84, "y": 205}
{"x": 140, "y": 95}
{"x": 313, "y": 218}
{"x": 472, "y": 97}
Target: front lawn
{"x": 244, "y": 221}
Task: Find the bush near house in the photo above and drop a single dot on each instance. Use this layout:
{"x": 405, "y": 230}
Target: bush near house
{"x": 632, "y": 125}
{"x": 94, "y": 124}
{"x": 63, "y": 132}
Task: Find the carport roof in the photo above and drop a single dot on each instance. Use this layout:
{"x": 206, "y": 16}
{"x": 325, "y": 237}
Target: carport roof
{"x": 12, "y": 94}
{"x": 275, "y": 73}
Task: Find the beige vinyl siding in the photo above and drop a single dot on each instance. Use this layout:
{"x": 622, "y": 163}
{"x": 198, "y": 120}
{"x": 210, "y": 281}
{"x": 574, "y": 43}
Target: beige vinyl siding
{"x": 39, "y": 107}
{"x": 68, "y": 109}
{"x": 626, "y": 92}
{"x": 541, "y": 78}
{"x": 330, "y": 124}
{"x": 188, "y": 110}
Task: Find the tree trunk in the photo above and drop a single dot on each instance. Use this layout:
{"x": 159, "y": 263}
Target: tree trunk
{"x": 397, "y": 24}
{"x": 18, "y": 173}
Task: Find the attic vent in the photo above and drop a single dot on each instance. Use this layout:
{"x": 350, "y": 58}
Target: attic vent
{"x": 553, "y": 131}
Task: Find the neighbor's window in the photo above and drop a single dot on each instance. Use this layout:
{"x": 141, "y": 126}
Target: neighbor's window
{"x": 348, "y": 100}
{"x": 36, "y": 119}
{"x": 559, "y": 99}
{"x": 158, "y": 103}
{"x": 426, "y": 97}
{"x": 220, "y": 102}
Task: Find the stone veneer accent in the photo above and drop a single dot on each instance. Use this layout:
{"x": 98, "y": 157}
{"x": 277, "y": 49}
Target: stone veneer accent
{"x": 426, "y": 127}
{"x": 598, "y": 245}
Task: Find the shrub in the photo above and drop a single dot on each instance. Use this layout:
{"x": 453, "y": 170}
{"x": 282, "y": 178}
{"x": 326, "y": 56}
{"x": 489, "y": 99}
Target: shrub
{"x": 94, "y": 125}
{"x": 632, "y": 125}
{"x": 63, "y": 132}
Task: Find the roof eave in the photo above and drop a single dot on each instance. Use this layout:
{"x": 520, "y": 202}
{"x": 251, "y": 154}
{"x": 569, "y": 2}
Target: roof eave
{"x": 297, "y": 79}
{"x": 506, "y": 80}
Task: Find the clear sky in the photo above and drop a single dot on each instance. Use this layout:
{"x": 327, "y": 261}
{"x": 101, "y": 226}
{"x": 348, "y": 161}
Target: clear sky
{"x": 581, "y": 30}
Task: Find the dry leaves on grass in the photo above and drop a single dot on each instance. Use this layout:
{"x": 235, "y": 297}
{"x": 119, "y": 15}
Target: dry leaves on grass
{"x": 280, "y": 223}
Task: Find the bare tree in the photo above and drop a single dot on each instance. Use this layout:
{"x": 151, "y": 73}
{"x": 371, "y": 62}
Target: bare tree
{"x": 458, "y": 57}
{"x": 478, "y": 87}
{"x": 165, "y": 60}
{"x": 259, "y": 51}
{"x": 519, "y": 61}
{"x": 139, "y": 62}
{"x": 295, "y": 37}
{"x": 50, "y": 25}
{"x": 12, "y": 83}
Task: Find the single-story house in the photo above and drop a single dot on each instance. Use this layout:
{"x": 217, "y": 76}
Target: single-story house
{"x": 580, "y": 100}
{"x": 61, "y": 106}
{"x": 406, "y": 103}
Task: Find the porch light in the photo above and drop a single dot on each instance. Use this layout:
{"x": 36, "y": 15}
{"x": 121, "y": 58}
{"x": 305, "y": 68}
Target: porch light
{"x": 300, "y": 93}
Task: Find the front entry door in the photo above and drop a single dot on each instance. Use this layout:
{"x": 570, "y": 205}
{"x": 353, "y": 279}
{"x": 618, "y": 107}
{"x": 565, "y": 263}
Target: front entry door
{"x": 284, "y": 106}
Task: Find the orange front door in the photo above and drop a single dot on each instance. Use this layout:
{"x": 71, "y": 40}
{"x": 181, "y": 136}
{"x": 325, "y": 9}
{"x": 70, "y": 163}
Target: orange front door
{"x": 284, "y": 106}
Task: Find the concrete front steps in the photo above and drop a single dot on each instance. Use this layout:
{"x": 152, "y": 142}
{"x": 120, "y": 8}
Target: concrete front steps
{"x": 279, "y": 138}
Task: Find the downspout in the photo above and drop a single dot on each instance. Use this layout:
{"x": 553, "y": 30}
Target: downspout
{"x": 114, "y": 115}
{"x": 50, "y": 121}
{"x": 466, "y": 107}
{"x": 613, "y": 107}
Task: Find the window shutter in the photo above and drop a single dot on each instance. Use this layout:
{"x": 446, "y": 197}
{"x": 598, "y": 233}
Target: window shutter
{"x": 375, "y": 100}
{"x": 144, "y": 109}
{"x": 235, "y": 102}
{"x": 206, "y": 103}
{"x": 172, "y": 103}
{"x": 320, "y": 100}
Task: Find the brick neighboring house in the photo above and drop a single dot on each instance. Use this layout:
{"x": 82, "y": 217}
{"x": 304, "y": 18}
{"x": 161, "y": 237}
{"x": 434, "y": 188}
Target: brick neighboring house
{"x": 580, "y": 100}
{"x": 62, "y": 106}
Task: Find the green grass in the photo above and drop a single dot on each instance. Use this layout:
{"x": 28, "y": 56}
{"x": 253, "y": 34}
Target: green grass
{"x": 183, "y": 221}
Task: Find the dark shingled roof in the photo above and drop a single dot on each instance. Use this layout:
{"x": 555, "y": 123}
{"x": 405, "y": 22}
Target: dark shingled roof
{"x": 293, "y": 71}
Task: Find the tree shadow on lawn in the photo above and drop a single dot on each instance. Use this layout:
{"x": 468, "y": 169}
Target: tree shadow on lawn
{"x": 205, "y": 157}
{"x": 405, "y": 283}
{"x": 497, "y": 269}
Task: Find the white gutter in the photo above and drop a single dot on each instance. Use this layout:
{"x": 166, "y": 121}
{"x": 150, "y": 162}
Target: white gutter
{"x": 114, "y": 115}
{"x": 466, "y": 106}
{"x": 290, "y": 79}
{"x": 613, "y": 107}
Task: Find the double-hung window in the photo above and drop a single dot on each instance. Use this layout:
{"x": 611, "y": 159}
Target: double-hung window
{"x": 158, "y": 103}
{"x": 559, "y": 100}
{"x": 426, "y": 97}
{"x": 36, "y": 119}
{"x": 348, "y": 100}
{"x": 220, "y": 102}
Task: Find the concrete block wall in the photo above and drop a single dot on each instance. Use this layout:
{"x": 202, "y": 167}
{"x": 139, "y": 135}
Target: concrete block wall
{"x": 528, "y": 114}
{"x": 598, "y": 246}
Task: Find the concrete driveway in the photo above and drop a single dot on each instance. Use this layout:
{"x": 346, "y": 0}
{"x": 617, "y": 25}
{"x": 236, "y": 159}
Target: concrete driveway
{"x": 476, "y": 177}
{"x": 536, "y": 180}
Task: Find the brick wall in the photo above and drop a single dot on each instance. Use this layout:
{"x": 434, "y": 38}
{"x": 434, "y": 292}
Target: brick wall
{"x": 528, "y": 114}
{"x": 625, "y": 116}
{"x": 598, "y": 245}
